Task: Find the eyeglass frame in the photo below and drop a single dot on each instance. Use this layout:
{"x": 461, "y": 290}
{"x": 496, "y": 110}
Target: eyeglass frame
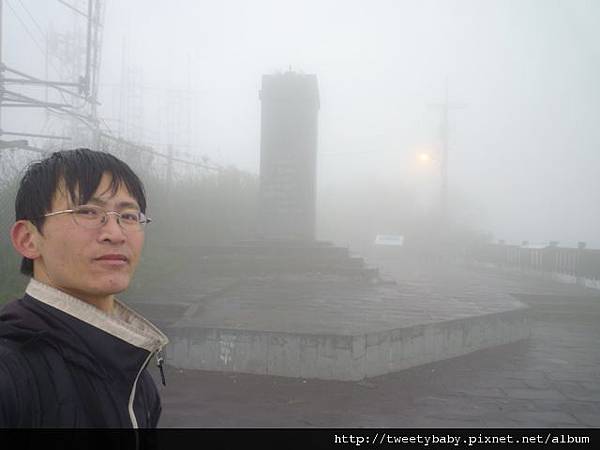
{"x": 146, "y": 220}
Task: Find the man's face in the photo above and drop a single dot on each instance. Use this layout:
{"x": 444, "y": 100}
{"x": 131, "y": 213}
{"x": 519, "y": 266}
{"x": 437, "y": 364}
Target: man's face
{"x": 90, "y": 264}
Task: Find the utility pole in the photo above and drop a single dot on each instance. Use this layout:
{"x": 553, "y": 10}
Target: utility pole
{"x": 169, "y": 167}
{"x": 94, "y": 43}
{"x": 444, "y": 135}
{"x": 88, "y": 49}
{"x": 444, "y": 162}
{"x": 1, "y": 65}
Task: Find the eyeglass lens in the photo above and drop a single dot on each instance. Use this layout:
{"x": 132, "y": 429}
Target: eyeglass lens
{"x": 95, "y": 217}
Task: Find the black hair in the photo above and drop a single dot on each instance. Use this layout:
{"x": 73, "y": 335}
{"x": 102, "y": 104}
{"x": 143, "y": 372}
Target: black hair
{"x": 81, "y": 171}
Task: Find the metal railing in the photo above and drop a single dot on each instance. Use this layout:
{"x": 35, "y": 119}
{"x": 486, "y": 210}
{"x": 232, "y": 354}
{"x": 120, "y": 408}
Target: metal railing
{"x": 577, "y": 262}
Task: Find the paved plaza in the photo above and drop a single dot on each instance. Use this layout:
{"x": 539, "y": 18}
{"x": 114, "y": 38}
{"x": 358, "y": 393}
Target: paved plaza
{"x": 551, "y": 379}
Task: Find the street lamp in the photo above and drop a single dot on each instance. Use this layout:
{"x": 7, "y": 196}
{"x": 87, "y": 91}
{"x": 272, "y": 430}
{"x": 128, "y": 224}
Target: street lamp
{"x": 426, "y": 158}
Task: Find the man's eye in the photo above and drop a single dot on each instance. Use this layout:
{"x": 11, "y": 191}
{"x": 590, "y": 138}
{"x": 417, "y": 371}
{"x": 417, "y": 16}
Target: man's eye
{"x": 87, "y": 212}
{"x": 130, "y": 217}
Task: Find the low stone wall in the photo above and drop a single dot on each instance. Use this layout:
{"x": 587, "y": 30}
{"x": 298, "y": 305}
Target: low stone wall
{"x": 341, "y": 357}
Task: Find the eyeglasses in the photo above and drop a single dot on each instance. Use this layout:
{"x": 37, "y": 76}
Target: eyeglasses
{"x": 93, "y": 217}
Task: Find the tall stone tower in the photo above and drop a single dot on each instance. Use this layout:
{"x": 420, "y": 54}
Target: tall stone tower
{"x": 288, "y": 156}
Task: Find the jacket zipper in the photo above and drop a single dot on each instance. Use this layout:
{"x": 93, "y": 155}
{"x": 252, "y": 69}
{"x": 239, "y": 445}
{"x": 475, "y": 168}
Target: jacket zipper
{"x": 159, "y": 362}
{"x": 134, "y": 422}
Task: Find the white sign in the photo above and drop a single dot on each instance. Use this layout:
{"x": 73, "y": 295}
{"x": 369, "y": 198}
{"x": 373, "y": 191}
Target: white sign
{"x": 389, "y": 240}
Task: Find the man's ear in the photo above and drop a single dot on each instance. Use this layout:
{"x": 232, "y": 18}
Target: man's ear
{"x": 25, "y": 238}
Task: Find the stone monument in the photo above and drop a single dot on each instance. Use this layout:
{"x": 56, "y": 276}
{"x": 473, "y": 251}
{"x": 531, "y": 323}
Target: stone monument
{"x": 288, "y": 156}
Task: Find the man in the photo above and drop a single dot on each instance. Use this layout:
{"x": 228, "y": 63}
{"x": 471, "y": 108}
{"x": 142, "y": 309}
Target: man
{"x": 72, "y": 355}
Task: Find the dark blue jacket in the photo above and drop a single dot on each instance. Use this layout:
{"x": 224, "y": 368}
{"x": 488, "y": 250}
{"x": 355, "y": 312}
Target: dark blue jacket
{"x": 59, "y": 371}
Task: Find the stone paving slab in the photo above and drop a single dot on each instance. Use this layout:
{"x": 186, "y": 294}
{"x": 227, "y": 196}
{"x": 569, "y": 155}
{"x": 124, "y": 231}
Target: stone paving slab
{"x": 318, "y": 305}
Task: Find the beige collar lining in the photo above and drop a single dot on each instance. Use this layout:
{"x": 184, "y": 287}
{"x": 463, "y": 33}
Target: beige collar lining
{"x": 124, "y": 323}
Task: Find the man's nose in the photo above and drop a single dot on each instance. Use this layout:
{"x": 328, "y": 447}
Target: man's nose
{"x": 112, "y": 229}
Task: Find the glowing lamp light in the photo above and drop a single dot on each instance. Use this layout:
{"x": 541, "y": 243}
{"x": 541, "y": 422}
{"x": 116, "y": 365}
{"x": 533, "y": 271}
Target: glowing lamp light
{"x": 425, "y": 157}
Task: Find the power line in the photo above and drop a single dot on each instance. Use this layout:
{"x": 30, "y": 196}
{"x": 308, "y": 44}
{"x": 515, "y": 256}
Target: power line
{"x": 38, "y": 45}
{"x": 27, "y": 79}
{"x": 71, "y": 7}
{"x": 26, "y": 28}
{"x": 162, "y": 155}
{"x": 32, "y": 19}
{"x": 33, "y": 38}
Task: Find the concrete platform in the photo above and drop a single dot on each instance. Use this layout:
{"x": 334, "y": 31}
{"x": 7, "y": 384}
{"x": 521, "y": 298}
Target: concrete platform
{"x": 332, "y": 327}
{"x": 551, "y": 380}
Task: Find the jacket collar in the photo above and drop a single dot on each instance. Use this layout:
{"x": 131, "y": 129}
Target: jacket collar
{"x": 124, "y": 323}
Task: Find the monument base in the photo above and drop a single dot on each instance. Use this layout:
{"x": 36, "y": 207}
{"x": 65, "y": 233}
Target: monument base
{"x": 267, "y": 257}
{"x": 332, "y": 327}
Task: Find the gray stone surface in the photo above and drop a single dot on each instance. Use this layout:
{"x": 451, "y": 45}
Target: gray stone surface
{"x": 335, "y": 327}
{"x": 472, "y": 390}
{"x": 327, "y": 305}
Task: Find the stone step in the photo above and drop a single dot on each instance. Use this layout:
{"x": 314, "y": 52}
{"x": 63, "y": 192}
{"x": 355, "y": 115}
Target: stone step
{"x": 250, "y": 250}
{"x": 240, "y": 269}
{"x": 255, "y": 257}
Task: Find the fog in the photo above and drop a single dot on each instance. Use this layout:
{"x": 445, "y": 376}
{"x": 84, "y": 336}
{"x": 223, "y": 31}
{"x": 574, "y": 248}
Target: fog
{"x": 523, "y": 145}
{"x": 353, "y": 334}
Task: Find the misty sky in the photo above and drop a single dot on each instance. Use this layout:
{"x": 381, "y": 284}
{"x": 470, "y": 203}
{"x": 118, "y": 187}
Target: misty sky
{"x": 524, "y": 146}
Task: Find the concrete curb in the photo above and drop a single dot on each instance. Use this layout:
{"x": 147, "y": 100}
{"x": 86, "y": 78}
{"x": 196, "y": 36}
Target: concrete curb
{"x": 341, "y": 357}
